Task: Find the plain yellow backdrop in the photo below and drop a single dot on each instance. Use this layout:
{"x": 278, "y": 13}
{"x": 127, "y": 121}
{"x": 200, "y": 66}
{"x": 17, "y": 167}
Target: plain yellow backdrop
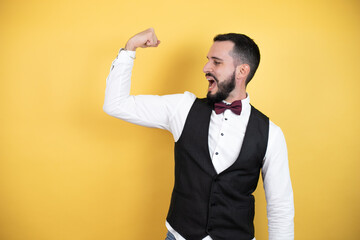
{"x": 70, "y": 172}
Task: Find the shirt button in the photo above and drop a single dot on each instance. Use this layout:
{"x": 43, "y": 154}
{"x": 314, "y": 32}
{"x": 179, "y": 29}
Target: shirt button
{"x": 216, "y": 153}
{"x": 225, "y": 119}
{"x": 222, "y": 134}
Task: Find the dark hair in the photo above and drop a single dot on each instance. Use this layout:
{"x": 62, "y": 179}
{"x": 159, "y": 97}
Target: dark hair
{"x": 244, "y": 51}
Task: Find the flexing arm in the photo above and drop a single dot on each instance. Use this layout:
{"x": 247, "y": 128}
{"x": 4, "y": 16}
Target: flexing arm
{"x": 145, "y": 110}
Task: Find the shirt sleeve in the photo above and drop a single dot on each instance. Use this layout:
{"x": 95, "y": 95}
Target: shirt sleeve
{"x": 167, "y": 112}
{"x": 277, "y": 185}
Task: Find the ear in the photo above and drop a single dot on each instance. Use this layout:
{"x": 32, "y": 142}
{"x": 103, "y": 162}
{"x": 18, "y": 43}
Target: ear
{"x": 242, "y": 71}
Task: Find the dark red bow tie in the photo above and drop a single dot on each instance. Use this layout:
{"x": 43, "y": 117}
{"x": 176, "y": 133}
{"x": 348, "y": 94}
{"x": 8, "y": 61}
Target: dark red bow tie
{"x": 235, "y": 107}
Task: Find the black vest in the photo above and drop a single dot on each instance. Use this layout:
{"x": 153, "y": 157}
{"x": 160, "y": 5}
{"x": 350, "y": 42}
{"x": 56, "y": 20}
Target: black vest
{"x": 204, "y": 202}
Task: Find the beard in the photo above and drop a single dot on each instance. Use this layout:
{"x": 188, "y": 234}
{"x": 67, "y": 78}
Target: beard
{"x": 224, "y": 89}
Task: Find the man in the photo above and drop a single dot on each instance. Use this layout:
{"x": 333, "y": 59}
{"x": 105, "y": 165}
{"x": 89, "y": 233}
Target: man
{"x": 221, "y": 144}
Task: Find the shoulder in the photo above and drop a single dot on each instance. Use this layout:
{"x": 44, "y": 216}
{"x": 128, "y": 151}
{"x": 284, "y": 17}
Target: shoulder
{"x": 258, "y": 113}
{"x": 275, "y": 131}
{"x": 180, "y": 101}
{"x": 189, "y": 96}
{"x": 186, "y": 96}
{"x": 196, "y": 101}
{"x": 276, "y": 142}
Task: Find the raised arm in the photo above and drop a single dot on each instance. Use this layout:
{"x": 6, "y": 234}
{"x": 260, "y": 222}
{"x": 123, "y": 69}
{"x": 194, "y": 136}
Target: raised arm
{"x": 165, "y": 112}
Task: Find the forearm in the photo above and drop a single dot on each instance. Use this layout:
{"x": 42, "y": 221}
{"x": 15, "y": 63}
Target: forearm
{"x": 118, "y": 82}
{"x": 280, "y": 213}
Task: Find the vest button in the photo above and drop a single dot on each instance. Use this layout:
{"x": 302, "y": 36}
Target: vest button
{"x": 216, "y": 153}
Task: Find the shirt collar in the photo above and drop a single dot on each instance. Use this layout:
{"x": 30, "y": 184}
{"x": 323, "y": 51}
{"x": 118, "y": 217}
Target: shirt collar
{"x": 244, "y": 102}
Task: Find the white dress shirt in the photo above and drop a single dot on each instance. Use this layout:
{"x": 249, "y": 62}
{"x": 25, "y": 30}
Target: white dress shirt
{"x": 170, "y": 112}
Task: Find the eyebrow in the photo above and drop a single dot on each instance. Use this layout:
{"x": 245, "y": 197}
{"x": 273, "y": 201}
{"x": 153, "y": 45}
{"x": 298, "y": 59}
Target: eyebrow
{"x": 216, "y": 58}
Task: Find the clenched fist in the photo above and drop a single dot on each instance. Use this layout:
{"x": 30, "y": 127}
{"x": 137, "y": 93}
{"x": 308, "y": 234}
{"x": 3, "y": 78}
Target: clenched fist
{"x": 143, "y": 39}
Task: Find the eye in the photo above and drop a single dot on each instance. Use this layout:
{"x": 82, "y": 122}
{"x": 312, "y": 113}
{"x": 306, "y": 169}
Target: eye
{"x": 216, "y": 63}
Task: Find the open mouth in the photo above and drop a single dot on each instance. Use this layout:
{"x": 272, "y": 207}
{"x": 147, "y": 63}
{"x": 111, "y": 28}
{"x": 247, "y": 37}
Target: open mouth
{"x": 212, "y": 81}
{"x": 212, "y": 84}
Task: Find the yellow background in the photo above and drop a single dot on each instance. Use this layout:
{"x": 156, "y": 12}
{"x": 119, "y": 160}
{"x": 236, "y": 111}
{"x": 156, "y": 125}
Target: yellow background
{"x": 70, "y": 172}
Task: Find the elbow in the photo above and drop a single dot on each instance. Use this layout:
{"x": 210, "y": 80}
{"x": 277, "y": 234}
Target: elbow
{"x": 118, "y": 108}
{"x": 108, "y": 109}
{"x": 115, "y": 110}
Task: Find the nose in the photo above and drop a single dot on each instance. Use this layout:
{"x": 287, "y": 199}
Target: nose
{"x": 207, "y": 68}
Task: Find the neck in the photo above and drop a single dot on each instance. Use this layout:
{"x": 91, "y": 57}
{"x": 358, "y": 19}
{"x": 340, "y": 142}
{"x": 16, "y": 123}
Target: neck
{"x": 234, "y": 97}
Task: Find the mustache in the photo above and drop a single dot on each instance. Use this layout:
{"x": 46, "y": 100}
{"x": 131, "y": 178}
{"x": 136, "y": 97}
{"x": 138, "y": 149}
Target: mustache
{"x": 211, "y": 75}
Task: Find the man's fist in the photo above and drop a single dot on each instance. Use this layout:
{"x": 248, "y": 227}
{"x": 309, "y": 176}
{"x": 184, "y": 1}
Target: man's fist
{"x": 143, "y": 39}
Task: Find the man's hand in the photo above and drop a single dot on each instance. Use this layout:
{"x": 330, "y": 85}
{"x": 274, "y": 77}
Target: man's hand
{"x": 143, "y": 39}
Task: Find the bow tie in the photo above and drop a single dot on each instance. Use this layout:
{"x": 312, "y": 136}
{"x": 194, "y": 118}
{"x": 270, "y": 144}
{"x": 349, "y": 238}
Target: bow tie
{"x": 235, "y": 107}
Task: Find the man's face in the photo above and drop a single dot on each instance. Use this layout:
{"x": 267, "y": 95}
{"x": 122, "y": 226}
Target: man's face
{"x": 220, "y": 71}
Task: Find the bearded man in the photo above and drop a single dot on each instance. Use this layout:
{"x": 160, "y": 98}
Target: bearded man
{"x": 222, "y": 143}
